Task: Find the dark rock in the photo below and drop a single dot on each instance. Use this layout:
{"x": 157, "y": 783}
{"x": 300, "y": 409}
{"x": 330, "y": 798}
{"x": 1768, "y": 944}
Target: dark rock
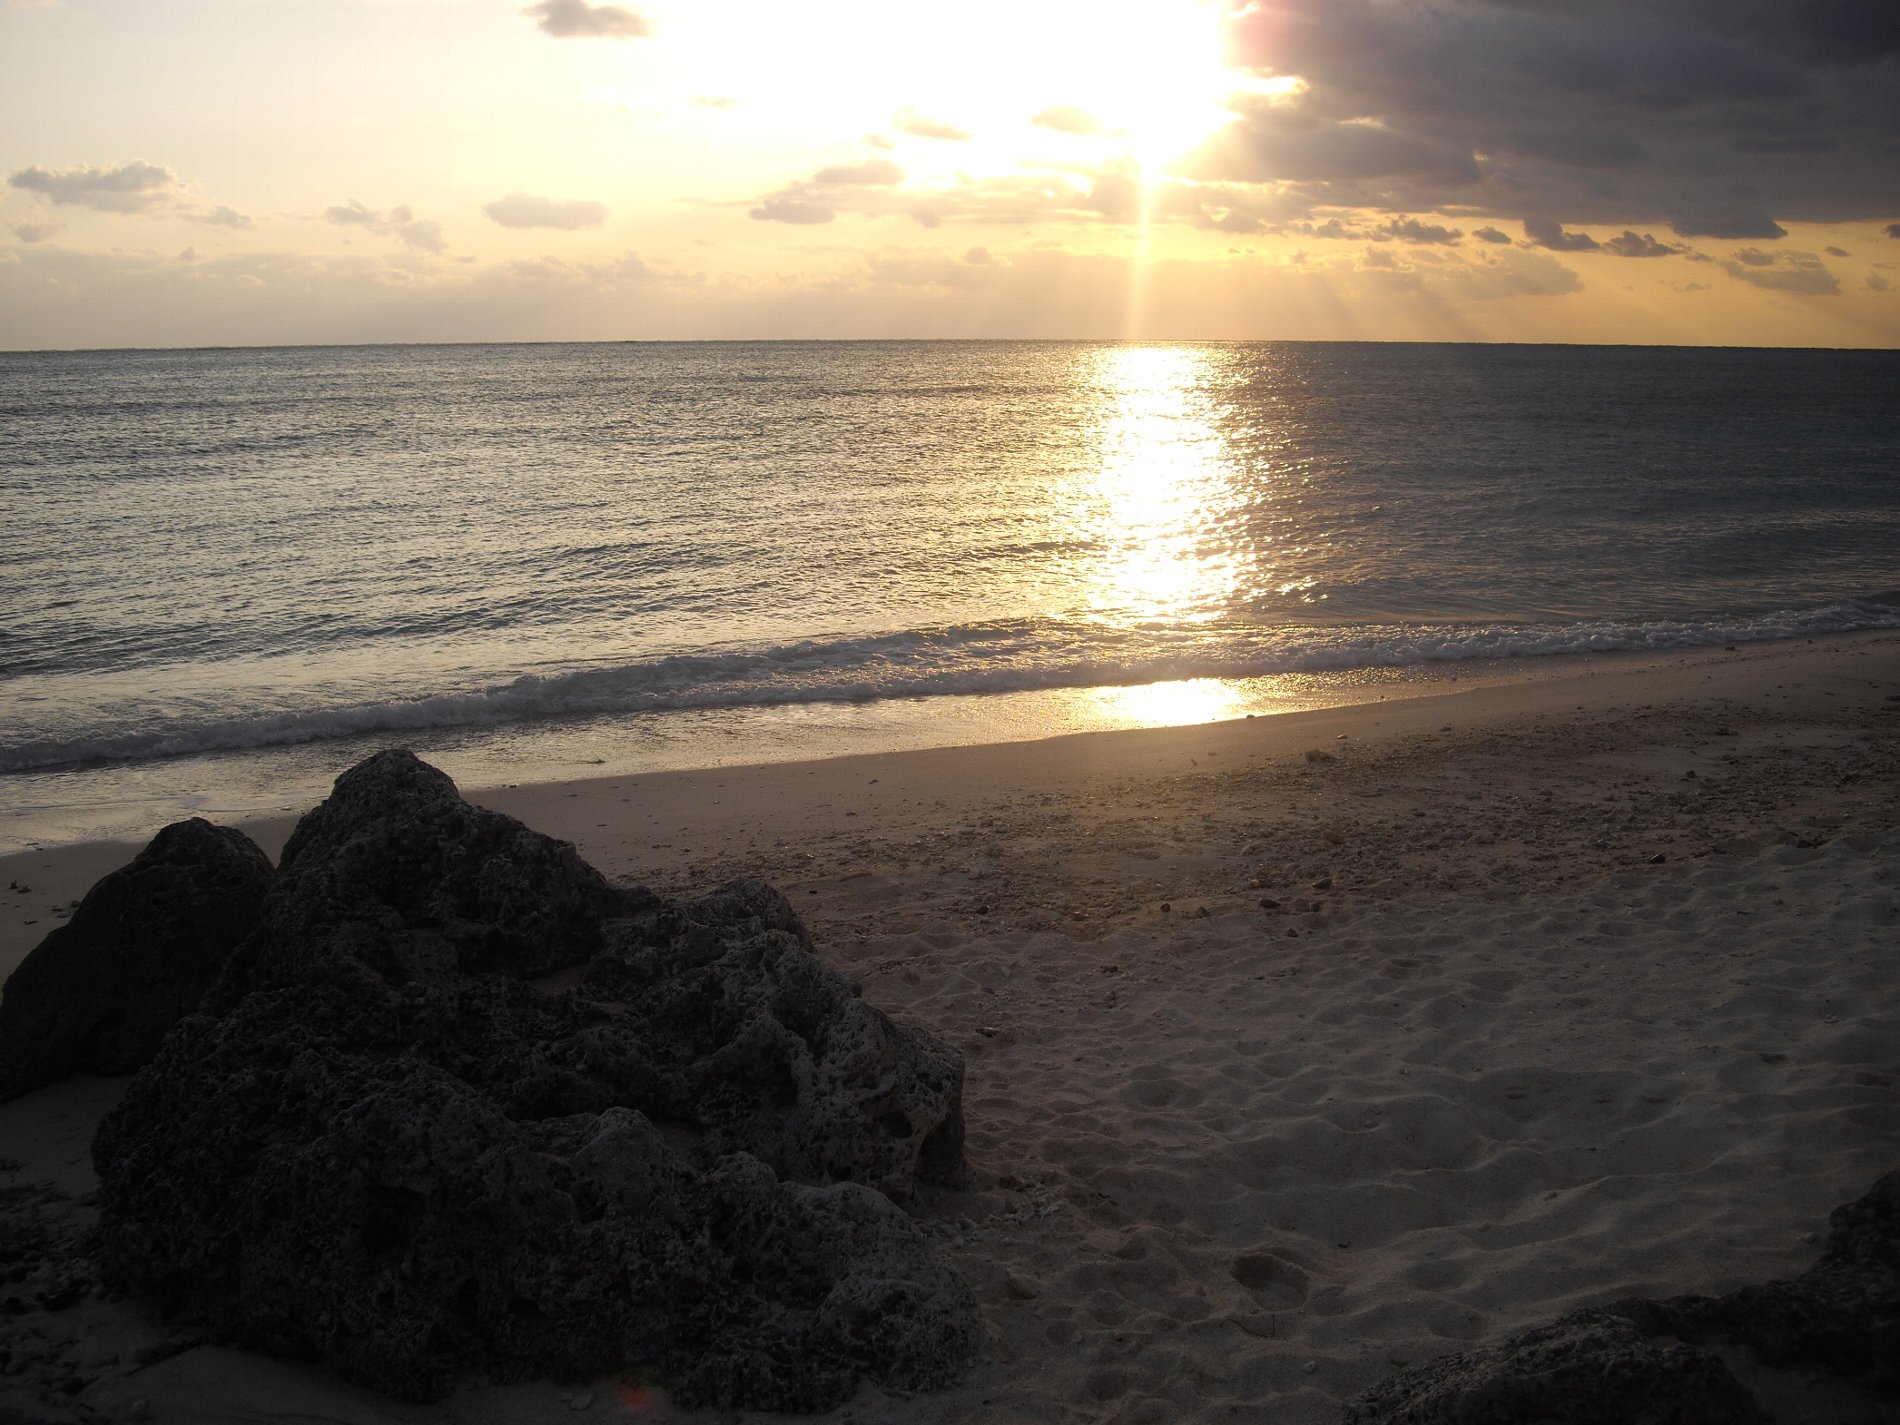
{"x": 1590, "y": 1368}
{"x": 382, "y": 1145}
{"x": 1840, "y": 1318}
{"x": 1821, "y": 1346}
{"x": 101, "y": 991}
{"x": 398, "y": 865}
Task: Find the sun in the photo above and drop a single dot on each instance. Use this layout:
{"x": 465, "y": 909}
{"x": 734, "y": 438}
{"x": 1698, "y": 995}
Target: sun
{"x": 1157, "y": 79}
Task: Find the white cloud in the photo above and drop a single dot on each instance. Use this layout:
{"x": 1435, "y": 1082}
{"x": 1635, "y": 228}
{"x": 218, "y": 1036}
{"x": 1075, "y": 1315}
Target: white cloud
{"x": 1067, "y": 119}
{"x": 919, "y": 126}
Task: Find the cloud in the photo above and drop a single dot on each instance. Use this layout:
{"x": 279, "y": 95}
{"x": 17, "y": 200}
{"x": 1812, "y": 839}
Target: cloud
{"x": 1893, "y": 230}
{"x": 525, "y": 210}
{"x": 1583, "y": 148}
{"x": 872, "y": 172}
{"x": 791, "y": 207}
{"x": 874, "y": 188}
{"x": 1630, "y": 244}
{"x": 1711, "y": 118}
{"x": 1546, "y": 232}
{"x": 1491, "y": 235}
{"x": 135, "y": 187}
{"x": 911, "y": 122}
{"x": 1734, "y": 222}
{"x": 1876, "y": 283}
{"x": 1412, "y": 230}
{"x": 1802, "y": 273}
{"x": 33, "y": 232}
{"x": 353, "y": 213}
{"x": 819, "y": 199}
{"x": 714, "y": 101}
{"x": 416, "y": 234}
{"x": 578, "y": 20}
{"x": 1067, "y": 119}
{"x": 219, "y": 217}
{"x": 1272, "y": 142}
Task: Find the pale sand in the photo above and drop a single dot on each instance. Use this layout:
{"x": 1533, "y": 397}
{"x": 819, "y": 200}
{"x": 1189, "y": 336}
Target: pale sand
{"x": 1488, "y": 1060}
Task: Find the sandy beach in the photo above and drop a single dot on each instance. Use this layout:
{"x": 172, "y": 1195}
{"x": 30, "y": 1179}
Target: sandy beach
{"x": 1300, "y": 1048}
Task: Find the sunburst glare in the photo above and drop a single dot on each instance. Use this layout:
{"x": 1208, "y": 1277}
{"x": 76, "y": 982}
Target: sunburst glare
{"x": 1157, "y": 514}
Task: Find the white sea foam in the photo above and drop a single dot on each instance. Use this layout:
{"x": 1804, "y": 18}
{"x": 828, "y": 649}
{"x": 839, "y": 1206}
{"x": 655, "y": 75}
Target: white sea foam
{"x": 958, "y": 661}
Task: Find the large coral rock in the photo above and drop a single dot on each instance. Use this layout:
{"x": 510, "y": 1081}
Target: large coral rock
{"x": 140, "y": 951}
{"x": 382, "y": 1145}
{"x": 1821, "y": 1346}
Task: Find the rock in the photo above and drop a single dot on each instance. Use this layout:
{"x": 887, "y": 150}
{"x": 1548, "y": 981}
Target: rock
{"x": 1827, "y": 1341}
{"x": 146, "y": 942}
{"x": 1590, "y": 1368}
{"x": 380, "y": 1144}
{"x": 395, "y": 856}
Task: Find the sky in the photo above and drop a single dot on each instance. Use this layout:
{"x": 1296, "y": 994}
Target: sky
{"x": 246, "y": 172}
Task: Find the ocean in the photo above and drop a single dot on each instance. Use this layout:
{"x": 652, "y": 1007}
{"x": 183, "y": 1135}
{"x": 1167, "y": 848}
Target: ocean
{"x": 229, "y": 574}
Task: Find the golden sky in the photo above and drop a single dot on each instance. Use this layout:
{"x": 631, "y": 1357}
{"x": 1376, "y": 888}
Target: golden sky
{"x": 230, "y": 172}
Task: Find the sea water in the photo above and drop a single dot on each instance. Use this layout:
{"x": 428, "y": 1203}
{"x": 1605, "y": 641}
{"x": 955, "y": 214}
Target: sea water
{"x": 229, "y": 574}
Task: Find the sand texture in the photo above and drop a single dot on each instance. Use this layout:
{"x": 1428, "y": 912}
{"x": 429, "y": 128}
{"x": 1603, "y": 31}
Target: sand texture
{"x": 1299, "y": 1050}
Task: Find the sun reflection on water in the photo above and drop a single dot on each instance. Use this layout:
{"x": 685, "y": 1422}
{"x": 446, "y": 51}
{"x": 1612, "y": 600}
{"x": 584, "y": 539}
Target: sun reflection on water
{"x": 1182, "y": 703}
{"x": 1160, "y": 515}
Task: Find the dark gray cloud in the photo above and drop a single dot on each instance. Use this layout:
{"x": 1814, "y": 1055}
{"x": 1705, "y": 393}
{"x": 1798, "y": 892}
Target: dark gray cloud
{"x": 1630, "y": 244}
{"x": 1413, "y": 231}
{"x": 33, "y": 232}
{"x": 1546, "y": 232}
{"x": 1893, "y": 230}
{"x": 526, "y": 210}
{"x": 578, "y": 20}
{"x": 1298, "y": 143}
{"x": 1735, "y": 221}
{"x": 922, "y": 126}
{"x": 1491, "y": 235}
{"x": 1711, "y": 118}
{"x": 1067, "y": 119}
{"x": 135, "y": 187}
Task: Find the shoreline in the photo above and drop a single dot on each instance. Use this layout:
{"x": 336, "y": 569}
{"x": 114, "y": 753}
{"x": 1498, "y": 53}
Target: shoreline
{"x": 129, "y": 799}
{"x": 1300, "y": 1049}
{"x": 705, "y": 822}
